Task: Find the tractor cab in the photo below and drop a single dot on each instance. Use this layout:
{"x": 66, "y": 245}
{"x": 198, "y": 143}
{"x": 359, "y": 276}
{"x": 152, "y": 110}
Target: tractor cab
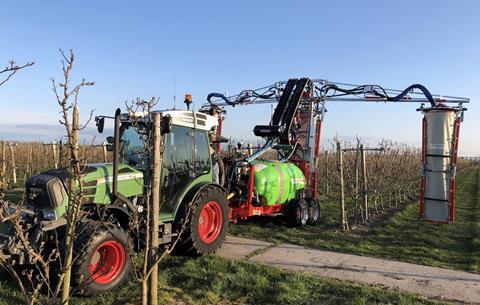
{"x": 187, "y": 163}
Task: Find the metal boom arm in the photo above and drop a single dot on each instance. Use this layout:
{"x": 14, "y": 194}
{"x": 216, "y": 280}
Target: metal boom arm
{"x": 340, "y": 92}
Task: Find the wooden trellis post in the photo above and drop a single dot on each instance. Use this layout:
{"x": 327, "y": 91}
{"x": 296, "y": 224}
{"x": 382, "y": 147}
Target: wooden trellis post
{"x": 250, "y": 149}
{"x": 14, "y": 167}
{"x": 54, "y": 149}
{"x": 29, "y": 170}
{"x": 364, "y": 182}
{"x": 105, "y": 156}
{"x": 356, "y": 199}
{"x": 343, "y": 216}
{"x": 327, "y": 186}
{"x": 4, "y": 165}
{"x": 61, "y": 153}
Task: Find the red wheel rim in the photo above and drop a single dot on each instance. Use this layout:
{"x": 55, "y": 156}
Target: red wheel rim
{"x": 107, "y": 262}
{"x": 210, "y": 222}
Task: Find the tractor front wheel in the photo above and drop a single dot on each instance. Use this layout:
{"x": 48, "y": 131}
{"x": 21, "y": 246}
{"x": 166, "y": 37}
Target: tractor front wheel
{"x": 207, "y": 225}
{"x": 103, "y": 258}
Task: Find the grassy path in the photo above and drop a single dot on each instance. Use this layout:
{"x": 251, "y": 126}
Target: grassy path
{"x": 403, "y": 237}
{"x": 213, "y": 280}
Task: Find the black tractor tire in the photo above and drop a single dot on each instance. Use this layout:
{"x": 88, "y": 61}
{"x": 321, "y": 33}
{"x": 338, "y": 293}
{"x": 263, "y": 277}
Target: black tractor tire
{"x": 313, "y": 211}
{"x": 103, "y": 258}
{"x": 296, "y": 213}
{"x": 207, "y": 225}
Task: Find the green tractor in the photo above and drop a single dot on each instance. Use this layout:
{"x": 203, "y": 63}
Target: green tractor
{"x": 113, "y": 200}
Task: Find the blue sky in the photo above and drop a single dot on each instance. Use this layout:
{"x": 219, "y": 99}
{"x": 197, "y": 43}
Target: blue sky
{"x": 133, "y": 49}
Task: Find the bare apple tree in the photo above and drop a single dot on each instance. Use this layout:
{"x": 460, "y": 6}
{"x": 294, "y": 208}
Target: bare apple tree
{"x": 67, "y": 98}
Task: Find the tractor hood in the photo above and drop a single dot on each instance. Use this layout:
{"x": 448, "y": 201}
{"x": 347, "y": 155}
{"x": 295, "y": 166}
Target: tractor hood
{"x": 98, "y": 182}
{"x": 48, "y": 190}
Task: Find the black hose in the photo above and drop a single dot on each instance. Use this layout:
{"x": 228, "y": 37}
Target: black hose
{"x": 242, "y": 96}
{"x": 383, "y": 94}
{"x": 422, "y": 88}
{"x": 219, "y": 95}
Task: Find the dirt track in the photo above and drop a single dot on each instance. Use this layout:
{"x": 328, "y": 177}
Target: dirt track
{"x": 433, "y": 282}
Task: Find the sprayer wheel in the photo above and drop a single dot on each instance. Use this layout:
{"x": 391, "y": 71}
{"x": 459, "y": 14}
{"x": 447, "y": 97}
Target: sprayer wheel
{"x": 313, "y": 211}
{"x": 296, "y": 213}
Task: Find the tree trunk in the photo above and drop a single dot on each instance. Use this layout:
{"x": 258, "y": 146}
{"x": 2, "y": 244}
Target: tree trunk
{"x": 157, "y": 162}
{"x": 71, "y": 210}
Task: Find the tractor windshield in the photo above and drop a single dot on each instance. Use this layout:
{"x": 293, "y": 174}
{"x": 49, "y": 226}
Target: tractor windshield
{"x": 132, "y": 147}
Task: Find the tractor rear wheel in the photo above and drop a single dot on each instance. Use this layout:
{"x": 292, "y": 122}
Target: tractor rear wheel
{"x": 103, "y": 258}
{"x": 207, "y": 226}
{"x": 296, "y": 213}
{"x": 313, "y": 211}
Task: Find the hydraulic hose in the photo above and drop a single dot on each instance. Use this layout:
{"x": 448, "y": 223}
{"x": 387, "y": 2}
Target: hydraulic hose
{"x": 422, "y": 88}
{"x": 219, "y": 95}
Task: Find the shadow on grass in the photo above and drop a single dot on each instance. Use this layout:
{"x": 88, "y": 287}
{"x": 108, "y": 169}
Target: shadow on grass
{"x": 214, "y": 280}
{"x": 10, "y": 294}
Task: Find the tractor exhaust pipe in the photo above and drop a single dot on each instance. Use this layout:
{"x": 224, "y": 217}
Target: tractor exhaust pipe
{"x": 116, "y": 153}
{"x": 116, "y": 160}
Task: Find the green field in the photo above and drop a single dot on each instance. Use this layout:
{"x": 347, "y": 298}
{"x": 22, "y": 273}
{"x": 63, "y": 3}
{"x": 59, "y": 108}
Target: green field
{"x": 401, "y": 237}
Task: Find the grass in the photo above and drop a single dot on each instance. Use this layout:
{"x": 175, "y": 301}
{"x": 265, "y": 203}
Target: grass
{"x": 213, "y": 280}
{"x": 402, "y": 237}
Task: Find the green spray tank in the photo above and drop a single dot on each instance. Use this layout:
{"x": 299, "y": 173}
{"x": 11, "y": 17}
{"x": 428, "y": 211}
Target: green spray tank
{"x": 277, "y": 182}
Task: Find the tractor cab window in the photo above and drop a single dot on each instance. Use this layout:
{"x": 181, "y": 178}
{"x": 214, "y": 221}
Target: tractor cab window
{"x": 201, "y": 153}
{"x": 185, "y": 157}
{"x": 177, "y": 169}
{"x": 132, "y": 148}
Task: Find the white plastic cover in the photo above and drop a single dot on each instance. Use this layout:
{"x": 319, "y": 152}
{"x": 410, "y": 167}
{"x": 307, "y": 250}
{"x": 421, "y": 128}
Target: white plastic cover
{"x": 438, "y": 170}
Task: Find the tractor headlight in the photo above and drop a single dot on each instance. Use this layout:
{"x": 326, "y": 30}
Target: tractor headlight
{"x": 49, "y": 214}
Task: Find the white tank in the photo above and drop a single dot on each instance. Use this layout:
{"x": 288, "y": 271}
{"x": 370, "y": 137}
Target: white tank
{"x": 439, "y": 167}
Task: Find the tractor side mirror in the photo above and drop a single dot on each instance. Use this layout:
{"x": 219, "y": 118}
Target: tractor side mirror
{"x": 166, "y": 124}
{"x": 110, "y": 140}
{"x": 100, "y": 122}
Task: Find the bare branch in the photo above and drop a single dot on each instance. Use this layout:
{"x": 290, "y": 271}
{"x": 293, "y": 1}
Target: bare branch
{"x": 13, "y": 68}
{"x": 88, "y": 121}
